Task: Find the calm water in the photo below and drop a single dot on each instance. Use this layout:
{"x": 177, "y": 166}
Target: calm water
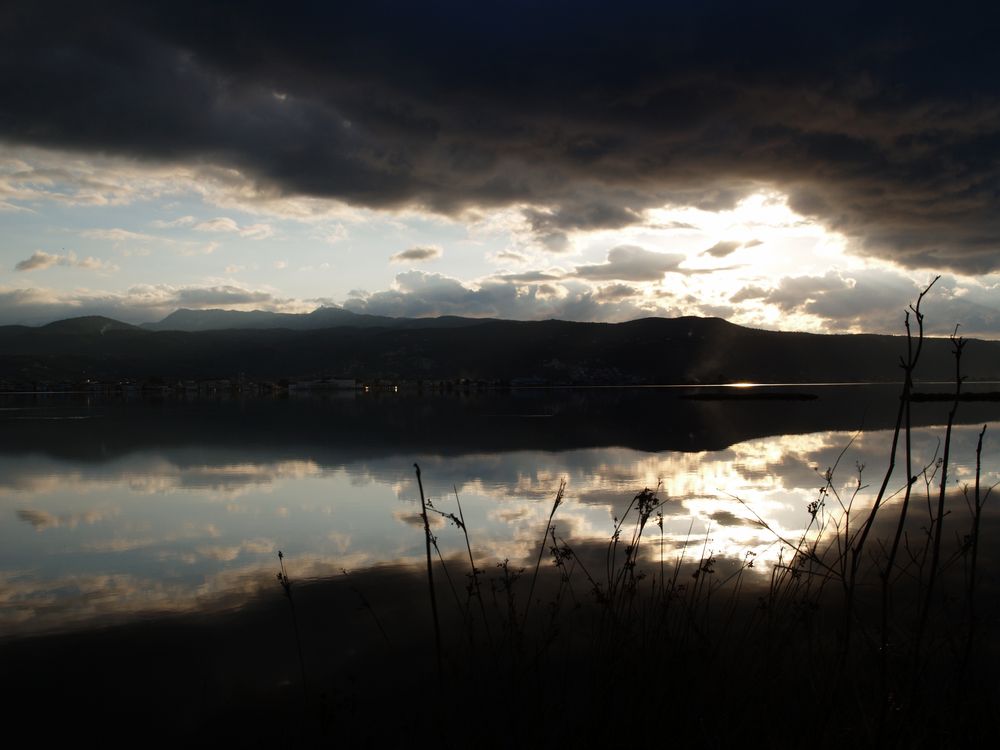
{"x": 116, "y": 509}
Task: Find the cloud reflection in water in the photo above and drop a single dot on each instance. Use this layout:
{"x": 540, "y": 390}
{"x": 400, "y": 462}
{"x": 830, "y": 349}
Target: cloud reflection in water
{"x": 154, "y": 532}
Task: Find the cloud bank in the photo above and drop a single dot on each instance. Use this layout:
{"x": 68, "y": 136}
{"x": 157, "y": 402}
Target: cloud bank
{"x": 138, "y": 304}
{"x": 887, "y": 130}
{"x": 421, "y": 294}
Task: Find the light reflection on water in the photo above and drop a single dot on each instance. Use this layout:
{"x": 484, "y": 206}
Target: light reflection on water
{"x": 178, "y": 525}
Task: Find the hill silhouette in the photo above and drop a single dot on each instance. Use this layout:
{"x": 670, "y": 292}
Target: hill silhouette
{"x": 323, "y": 317}
{"x": 687, "y": 350}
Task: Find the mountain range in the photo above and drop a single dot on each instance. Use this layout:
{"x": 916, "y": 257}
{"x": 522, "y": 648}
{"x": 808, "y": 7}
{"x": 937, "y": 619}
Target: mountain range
{"x": 331, "y": 342}
{"x": 323, "y": 317}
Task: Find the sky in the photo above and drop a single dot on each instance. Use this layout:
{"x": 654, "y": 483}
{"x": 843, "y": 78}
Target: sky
{"x": 789, "y": 166}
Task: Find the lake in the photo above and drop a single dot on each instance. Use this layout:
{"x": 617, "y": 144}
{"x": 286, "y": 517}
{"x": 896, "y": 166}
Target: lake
{"x": 140, "y": 537}
{"x": 116, "y": 509}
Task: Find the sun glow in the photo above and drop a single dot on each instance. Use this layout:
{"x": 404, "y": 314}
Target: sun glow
{"x": 733, "y": 258}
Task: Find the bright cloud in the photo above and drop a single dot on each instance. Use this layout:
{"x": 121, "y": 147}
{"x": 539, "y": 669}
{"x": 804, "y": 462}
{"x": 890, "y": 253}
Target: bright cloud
{"x": 225, "y": 224}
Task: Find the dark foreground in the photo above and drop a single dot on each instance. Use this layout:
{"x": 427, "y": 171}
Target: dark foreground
{"x": 711, "y": 655}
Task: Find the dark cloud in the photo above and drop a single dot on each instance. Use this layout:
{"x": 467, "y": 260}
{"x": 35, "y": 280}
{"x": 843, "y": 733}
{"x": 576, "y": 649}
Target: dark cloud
{"x": 529, "y": 277}
{"x": 728, "y": 247}
{"x": 716, "y": 311}
{"x": 748, "y": 292}
{"x": 549, "y": 290}
{"x": 582, "y": 212}
{"x": 416, "y": 254}
{"x": 220, "y": 295}
{"x": 617, "y": 291}
{"x": 727, "y": 518}
{"x": 881, "y": 120}
{"x": 631, "y": 263}
{"x": 722, "y": 249}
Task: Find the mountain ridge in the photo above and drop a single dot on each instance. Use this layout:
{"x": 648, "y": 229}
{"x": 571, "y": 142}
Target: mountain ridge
{"x": 216, "y": 319}
{"x": 647, "y": 351}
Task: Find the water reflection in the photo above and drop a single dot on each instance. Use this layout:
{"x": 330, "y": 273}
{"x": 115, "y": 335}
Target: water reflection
{"x": 127, "y": 514}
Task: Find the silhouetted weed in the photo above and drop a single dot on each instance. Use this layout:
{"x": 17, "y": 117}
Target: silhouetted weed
{"x": 870, "y": 628}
